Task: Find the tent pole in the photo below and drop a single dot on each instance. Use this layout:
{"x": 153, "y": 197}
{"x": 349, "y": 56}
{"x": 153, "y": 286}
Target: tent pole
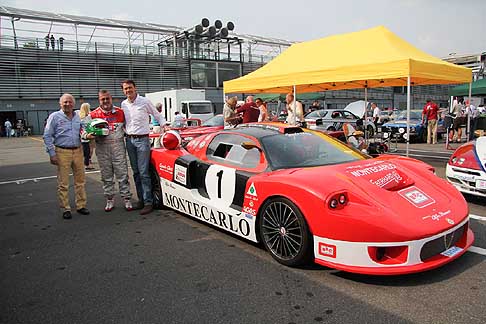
{"x": 449, "y": 129}
{"x": 295, "y": 106}
{"x": 408, "y": 114}
{"x": 365, "y": 114}
{"x": 469, "y": 135}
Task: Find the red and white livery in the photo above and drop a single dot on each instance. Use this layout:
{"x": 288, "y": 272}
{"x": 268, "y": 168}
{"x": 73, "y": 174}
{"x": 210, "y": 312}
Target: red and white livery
{"x": 308, "y": 197}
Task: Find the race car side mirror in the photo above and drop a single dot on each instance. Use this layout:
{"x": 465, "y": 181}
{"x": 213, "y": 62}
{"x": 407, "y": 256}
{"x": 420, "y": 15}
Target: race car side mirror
{"x": 249, "y": 146}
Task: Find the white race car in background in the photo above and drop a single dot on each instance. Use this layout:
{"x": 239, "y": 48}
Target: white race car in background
{"x": 466, "y": 168}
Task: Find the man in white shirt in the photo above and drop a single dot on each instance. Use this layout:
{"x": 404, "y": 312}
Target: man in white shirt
{"x": 137, "y": 111}
{"x": 376, "y": 113}
{"x": 295, "y": 111}
{"x": 472, "y": 113}
{"x": 8, "y": 128}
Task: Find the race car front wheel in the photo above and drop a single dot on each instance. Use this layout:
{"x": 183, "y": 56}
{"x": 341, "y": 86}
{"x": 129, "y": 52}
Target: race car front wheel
{"x": 156, "y": 189}
{"x": 284, "y": 232}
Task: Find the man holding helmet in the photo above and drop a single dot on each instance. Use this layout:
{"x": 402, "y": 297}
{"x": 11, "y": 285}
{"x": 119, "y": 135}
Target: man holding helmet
{"x": 106, "y": 127}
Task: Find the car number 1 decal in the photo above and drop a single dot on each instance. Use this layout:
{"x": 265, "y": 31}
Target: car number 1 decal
{"x": 220, "y": 185}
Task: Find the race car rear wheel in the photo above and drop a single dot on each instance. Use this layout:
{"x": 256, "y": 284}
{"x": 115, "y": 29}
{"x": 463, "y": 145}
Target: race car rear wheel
{"x": 284, "y": 232}
{"x": 157, "y": 202}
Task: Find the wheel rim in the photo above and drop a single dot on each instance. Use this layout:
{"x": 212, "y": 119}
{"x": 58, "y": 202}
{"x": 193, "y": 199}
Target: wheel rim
{"x": 282, "y": 231}
{"x": 370, "y": 131}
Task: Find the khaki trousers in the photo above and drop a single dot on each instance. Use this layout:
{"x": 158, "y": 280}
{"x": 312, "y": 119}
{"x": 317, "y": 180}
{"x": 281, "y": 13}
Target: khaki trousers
{"x": 432, "y": 131}
{"x": 70, "y": 160}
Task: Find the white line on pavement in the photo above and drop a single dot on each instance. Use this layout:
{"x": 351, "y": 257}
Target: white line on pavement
{"x": 477, "y": 250}
{"x": 429, "y": 151}
{"x": 22, "y": 181}
{"x": 481, "y": 218}
{"x": 430, "y": 156}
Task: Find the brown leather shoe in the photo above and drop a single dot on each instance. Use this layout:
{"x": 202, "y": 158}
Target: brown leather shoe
{"x": 67, "y": 215}
{"x": 138, "y": 205}
{"x": 147, "y": 209}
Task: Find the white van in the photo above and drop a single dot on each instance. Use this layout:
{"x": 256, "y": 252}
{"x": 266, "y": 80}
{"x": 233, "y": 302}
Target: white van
{"x": 190, "y": 103}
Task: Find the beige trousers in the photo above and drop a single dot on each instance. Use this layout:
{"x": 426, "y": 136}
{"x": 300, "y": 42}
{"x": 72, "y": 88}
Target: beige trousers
{"x": 70, "y": 160}
{"x": 432, "y": 131}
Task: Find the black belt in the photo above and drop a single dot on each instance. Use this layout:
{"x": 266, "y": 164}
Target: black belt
{"x": 67, "y": 148}
{"x": 137, "y": 136}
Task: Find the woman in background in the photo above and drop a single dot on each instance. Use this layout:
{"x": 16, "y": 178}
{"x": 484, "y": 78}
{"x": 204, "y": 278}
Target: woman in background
{"x": 88, "y": 145}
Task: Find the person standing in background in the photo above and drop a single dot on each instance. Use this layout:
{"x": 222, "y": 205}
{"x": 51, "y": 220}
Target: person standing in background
{"x": 458, "y": 111}
{"x": 88, "y": 145}
{"x": 156, "y": 129}
{"x": 8, "y": 128}
{"x": 249, "y": 110}
{"x": 53, "y": 42}
{"x": 429, "y": 118}
{"x": 472, "y": 113}
{"x": 376, "y": 114}
{"x": 231, "y": 119}
{"x": 263, "y": 117}
{"x": 295, "y": 111}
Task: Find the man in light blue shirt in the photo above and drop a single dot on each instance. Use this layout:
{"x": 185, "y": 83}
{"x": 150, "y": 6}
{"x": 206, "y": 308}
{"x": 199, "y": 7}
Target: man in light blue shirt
{"x": 63, "y": 143}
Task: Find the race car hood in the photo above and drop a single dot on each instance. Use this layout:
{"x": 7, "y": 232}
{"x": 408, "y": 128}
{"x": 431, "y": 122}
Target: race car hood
{"x": 394, "y": 195}
{"x": 357, "y": 108}
{"x": 196, "y": 131}
{"x": 471, "y": 155}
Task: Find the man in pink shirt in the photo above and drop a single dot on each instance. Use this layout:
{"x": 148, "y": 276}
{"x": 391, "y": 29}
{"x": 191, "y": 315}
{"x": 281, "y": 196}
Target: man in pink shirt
{"x": 250, "y": 110}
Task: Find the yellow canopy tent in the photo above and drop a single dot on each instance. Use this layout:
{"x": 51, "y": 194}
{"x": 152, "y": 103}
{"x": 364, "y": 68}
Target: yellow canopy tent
{"x": 365, "y": 59}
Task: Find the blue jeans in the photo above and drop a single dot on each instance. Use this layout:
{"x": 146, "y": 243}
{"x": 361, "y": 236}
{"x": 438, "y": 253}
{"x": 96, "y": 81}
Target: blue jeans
{"x": 139, "y": 153}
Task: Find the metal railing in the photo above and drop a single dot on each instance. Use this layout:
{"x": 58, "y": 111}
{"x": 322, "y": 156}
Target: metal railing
{"x": 61, "y": 44}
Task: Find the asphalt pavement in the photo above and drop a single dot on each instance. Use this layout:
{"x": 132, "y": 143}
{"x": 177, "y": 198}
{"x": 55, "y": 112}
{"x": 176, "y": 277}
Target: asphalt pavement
{"x": 120, "y": 267}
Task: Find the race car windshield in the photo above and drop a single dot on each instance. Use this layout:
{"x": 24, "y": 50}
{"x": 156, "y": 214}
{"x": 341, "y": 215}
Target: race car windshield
{"x": 414, "y": 114}
{"x": 317, "y": 114}
{"x": 214, "y": 121}
{"x": 305, "y": 150}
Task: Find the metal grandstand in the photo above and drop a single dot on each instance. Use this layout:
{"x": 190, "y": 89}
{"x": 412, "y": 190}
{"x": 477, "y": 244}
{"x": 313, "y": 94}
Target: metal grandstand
{"x": 28, "y": 28}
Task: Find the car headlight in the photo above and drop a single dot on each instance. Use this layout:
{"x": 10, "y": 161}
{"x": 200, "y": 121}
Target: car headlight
{"x": 401, "y": 130}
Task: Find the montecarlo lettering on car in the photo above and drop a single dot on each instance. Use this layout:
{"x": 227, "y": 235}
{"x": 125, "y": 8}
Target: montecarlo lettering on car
{"x": 211, "y": 193}
{"x": 232, "y": 223}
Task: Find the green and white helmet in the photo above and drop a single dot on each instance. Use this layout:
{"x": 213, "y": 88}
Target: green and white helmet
{"x": 98, "y": 127}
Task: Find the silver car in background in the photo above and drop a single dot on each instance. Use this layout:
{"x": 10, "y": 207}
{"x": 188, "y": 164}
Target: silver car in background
{"x": 333, "y": 120}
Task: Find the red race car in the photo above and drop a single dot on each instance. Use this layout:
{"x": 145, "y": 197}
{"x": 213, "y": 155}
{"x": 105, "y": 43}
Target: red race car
{"x": 466, "y": 168}
{"x": 307, "y": 196}
{"x": 211, "y": 125}
{"x": 216, "y": 123}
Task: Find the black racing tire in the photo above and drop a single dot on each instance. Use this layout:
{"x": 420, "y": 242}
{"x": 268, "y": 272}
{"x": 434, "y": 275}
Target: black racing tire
{"x": 284, "y": 232}
{"x": 331, "y": 129}
{"x": 370, "y": 131}
{"x": 157, "y": 193}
